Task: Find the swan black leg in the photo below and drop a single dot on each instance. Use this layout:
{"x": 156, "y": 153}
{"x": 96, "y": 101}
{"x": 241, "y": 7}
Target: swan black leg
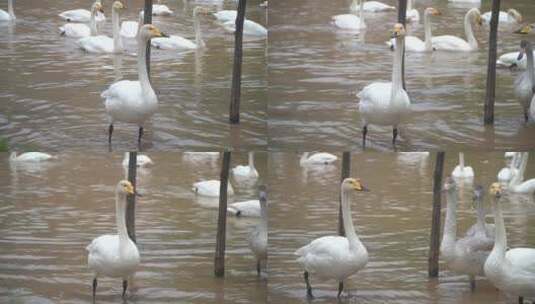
{"x": 364, "y": 132}
{"x": 125, "y": 285}
{"x": 309, "y": 288}
{"x": 110, "y": 131}
{"x": 258, "y": 267}
{"x": 140, "y": 135}
{"x": 394, "y": 135}
{"x": 94, "y": 288}
{"x": 472, "y": 283}
{"x": 340, "y": 288}
{"x": 520, "y": 300}
{"x": 526, "y": 117}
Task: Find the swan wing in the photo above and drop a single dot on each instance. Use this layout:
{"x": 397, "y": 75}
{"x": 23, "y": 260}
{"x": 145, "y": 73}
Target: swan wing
{"x": 129, "y": 29}
{"x": 250, "y": 28}
{"x": 96, "y": 44}
{"x": 346, "y": 21}
{"x": 104, "y": 256}
{"x": 161, "y": 10}
{"x": 246, "y": 208}
{"x": 376, "y": 6}
{"x": 76, "y": 15}
{"x": 34, "y": 157}
{"x": 76, "y": 30}
{"x": 374, "y": 97}
{"x": 173, "y": 43}
{"x": 522, "y": 259}
{"x": 225, "y": 15}
{"x": 450, "y": 43}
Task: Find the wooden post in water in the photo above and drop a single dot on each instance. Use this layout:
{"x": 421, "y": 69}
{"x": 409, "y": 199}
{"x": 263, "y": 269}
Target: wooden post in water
{"x": 402, "y": 18}
{"x": 219, "y": 261}
{"x": 130, "y": 198}
{"x": 491, "y": 65}
{"x": 235, "y": 94}
{"x": 434, "y": 242}
{"x": 346, "y": 171}
{"x": 147, "y": 19}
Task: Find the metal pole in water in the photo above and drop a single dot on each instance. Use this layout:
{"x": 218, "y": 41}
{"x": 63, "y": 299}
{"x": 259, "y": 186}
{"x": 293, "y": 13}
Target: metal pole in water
{"x": 130, "y": 198}
{"x": 219, "y": 261}
{"x": 236, "y": 70}
{"x": 435, "y": 218}
{"x": 346, "y": 171}
{"x": 491, "y": 67}
{"x": 402, "y": 18}
{"x": 147, "y": 19}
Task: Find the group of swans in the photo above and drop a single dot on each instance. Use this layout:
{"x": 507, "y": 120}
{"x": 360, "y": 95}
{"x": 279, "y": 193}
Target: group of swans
{"x": 415, "y": 44}
{"x": 103, "y": 43}
{"x": 10, "y": 14}
{"x": 78, "y": 30}
{"x": 336, "y": 257}
{"x": 524, "y": 85}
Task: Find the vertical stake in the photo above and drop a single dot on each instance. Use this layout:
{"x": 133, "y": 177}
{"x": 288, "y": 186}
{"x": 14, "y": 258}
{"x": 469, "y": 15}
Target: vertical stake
{"x": 435, "y": 217}
{"x": 219, "y": 261}
{"x": 235, "y": 94}
{"x": 130, "y": 198}
{"x": 346, "y": 171}
{"x": 491, "y": 65}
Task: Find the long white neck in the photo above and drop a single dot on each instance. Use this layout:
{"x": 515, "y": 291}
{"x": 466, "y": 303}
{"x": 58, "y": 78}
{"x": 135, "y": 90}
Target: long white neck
{"x": 13, "y": 156}
{"x": 10, "y": 10}
{"x": 450, "y": 224}
{"x": 361, "y": 14}
{"x": 468, "y": 29}
{"x": 197, "y": 27}
{"x": 351, "y": 235}
{"x": 140, "y": 22}
{"x": 263, "y": 214}
{"x": 92, "y": 21}
{"x": 480, "y": 224}
{"x": 519, "y": 176}
{"x": 355, "y": 6}
{"x": 141, "y": 66}
{"x": 461, "y": 161}
{"x": 409, "y": 5}
{"x": 500, "y": 239}
{"x": 530, "y": 68}
{"x": 120, "y": 214}
{"x": 117, "y": 42}
{"x": 304, "y": 158}
{"x": 427, "y": 29}
{"x": 397, "y": 84}
{"x": 251, "y": 161}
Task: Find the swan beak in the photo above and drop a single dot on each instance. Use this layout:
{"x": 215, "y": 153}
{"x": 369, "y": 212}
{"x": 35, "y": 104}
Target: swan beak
{"x": 164, "y": 35}
{"x": 524, "y": 30}
{"x": 100, "y": 8}
{"x": 496, "y": 190}
{"x": 436, "y": 12}
{"x": 398, "y": 30}
{"x": 479, "y": 21}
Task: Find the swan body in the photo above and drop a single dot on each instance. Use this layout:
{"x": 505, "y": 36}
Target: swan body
{"x": 210, "y": 188}
{"x": 510, "y": 270}
{"x": 321, "y": 158}
{"x": 142, "y": 160}
{"x": 415, "y": 44}
{"x": 461, "y": 171}
{"x": 82, "y": 15}
{"x": 258, "y": 237}
{"x": 10, "y": 14}
{"x": 386, "y": 103}
{"x": 174, "y": 42}
{"x": 371, "y": 6}
{"x": 79, "y": 30}
{"x": 115, "y": 255}
{"x": 129, "y": 29}
{"x": 225, "y": 15}
{"x": 412, "y": 14}
{"x": 336, "y": 257}
{"x": 512, "y": 16}
{"x": 250, "y": 28}
{"x": 524, "y": 85}
{"x": 517, "y": 183}
{"x": 133, "y": 101}
{"x": 249, "y": 208}
{"x": 350, "y": 21}
{"x": 511, "y": 60}
{"x": 105, "y": 44}
{"x": 161, "y": 10}
{"x": 241, "y": 172}
{"x": 30, "y": 157}
{"x": 453, "y": 43}
{"x": 506, "y": 174}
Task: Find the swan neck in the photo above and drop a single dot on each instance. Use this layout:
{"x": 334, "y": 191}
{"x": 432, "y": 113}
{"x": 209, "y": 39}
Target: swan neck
{"x": 263, "y": 214}
{"x": 409, "y": 6}
{"x": 13, "y": 156}
{"x": 469, "y": 31}
{"x": 531, "y": 69}
{"x": 396, "y": 70}
{"x": 117, "y": 44}
{"x": 197, "y": 28}
{"x": 10, "y": 10}
{"x": 450, "y": 224}
{"x": 348, "y": 221}
{"x": 92, "y": 21}
{"x": 428, "y": 34}
{"x": 361, "y": 14}
{"x": 519, "y": 176}
{"x": 251, "y": 160}
{"x": 500, "y": 240}
{"x": 141, "y": 66}
{"x": 304, "y": 158}
{"x": 461, "y": 161}
{"x": 480, "y": 215}
{"x": 120, "y": 213}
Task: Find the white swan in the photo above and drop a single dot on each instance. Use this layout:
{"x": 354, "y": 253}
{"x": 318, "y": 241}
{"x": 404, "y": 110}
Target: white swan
{"x": 506, "y": 173}
{"x": 210, "y": 188}
{"x": 102, "y": 43}
{"x": 453, "y": 43}
{"x": 412, "y": 14}
{"x": 142, "y": 160}
{"x": 386, "y": 103}
{"x": 133, "y": 101}
{"x": 321, "y": 158}
{"x": 225, "y": 15}
{"x": 241, "y": 172}
{"x": 461, "y": 171}
{"x": 81, "y": 15}
{"x": 115, "y": 255}
{"x": 415, "y": 44}
{"x": 481, "y": 232}
{"x": 336, "y": 257}
{"x": 174, "y": 42}
{"x": 258, "y": 237}
{"x": 512, "y": 16}
{"x": 517, "y": 183}
{"x": 78, "y": 30}
{"x": 524, "y": 85}
{"x": 350, "y": 21}
{"x": 250, "y": 208}
{"x": 250, "y": 28}
{"x": 30, "y": 157}
{"x": 129, "y": 29}
{"x": 161, "y": 9}
{"x": 370, "y": 6}
{"x": 466, "y": 255}
{"x": 510, "y": 270}
{"x": 10, "y": 14}
{"x": 511, "y": 60}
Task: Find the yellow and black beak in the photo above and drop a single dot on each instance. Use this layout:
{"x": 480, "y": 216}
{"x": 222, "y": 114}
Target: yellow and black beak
{"x": 524, "y": 30}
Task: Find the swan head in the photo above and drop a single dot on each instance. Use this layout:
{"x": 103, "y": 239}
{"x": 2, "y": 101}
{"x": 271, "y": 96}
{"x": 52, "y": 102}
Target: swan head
{"x": 97, "y": 7}
{"x": 476, "y": 15}
{"x": 449, "y": 184}
{"x": 525, "y": 47}
{"x": 495, "y": 190}
{"x": 398, "y": 30}
{"x": 515, "y": 15}
{"x": 125, "y": 187}
{"x": 200, "y": 10}
{"x": 354, "y": 184}
{"x": 432, "y": 11}
{"x": 149, "y": 31}
{"x": 118, "y": 6}
{"x": 526, "y": 29}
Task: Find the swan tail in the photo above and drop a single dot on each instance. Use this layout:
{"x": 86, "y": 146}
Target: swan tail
{"x": 62, "y": 31}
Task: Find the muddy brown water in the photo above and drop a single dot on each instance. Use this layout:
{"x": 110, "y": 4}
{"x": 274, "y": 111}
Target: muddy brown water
{"x": 316, "y": 70}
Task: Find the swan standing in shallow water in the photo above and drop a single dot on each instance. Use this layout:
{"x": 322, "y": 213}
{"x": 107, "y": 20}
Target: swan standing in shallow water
{"x": 510, "y": 270}
{"x": 79, "y": 30}
{"x": 370, "y": 6}
{"x": 10, "y": 14}
{"x": 453, "y": 43}
{"x": 258, "y": 237}
{"x": 321, "y": 158}
{"x": 415, "y": 44}
{"x": 102, "y": 43}
{"x": 133, "y": 101}
{"x": 210, "y": 188}
{"x": 142, "y": 160}
{"x": 524, "y": 86}
{"x": 466, "y": 255}
{"x": 248, "y": 172}
{"x": 115, "y": 255}
{"x": 512, "y": 16}
{"x": 350, "y": 21}
{"x": 336, "y": 257}
{"x": 81, "y": 15}
{"x": 174, "y": 42}
{"x": 517, "y": 183}
{"x": 386, "y": 103}
{"x": 461, "y": 171}
{"x": 30, "y": 157}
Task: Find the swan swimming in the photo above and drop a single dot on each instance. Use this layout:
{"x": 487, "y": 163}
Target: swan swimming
{"x": 415, "y": 44}
{"x": 242, "y": 173}
{"x": 133, "y": 101}
{"x": 102, "y": 43}
{"x": 174, "y": 42}
{"x": 142, "y": 160}
{"x": 370, "y": 6}
{"x": 350, "y": 21}
{"x": 386, "y": 103}
{"x": 412, "y": 14}
{"x": 81, "y": 15}
{"x": 336, "y": 257}
{"x": 115, "y": 255}
{"x": 321, "y": 158}
{"x": 505, "y": 174}
{"x": 453, "y": 43}
{"x": 30, "y": 157}
{"x": 78, "y": 30}
{"x": 511, "y": 60}
{"x": 517, "y": 183}
{"x": 129, "y": 29}
{"x": 250, "y": 28}
{"x": 210, "y": 188}
{"x": 512, "y": 16}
